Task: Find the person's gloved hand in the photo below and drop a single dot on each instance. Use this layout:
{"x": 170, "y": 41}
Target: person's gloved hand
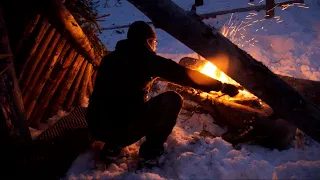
{"x": 230, "y": 89}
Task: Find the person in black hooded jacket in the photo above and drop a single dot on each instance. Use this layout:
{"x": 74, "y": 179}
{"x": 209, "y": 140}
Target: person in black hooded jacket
{"x": 118, "y": 112}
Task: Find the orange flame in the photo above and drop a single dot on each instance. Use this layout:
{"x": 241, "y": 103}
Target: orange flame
{"x": 211, "y": 70}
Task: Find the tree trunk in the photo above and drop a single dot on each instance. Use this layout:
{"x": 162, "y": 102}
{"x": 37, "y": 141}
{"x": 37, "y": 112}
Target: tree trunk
{"x": 239, "y": 65}
{"x": 59, "y": 14}
{"x": 12, "y": 115}
{"x": 42, "y": 63}
{"x": 45, "y": 74}
{"x": 29, "y": 74}
{"x": 42, "y": 31}
{"x": 50, "y": 86}
{"x": 75, "y": 87}
{"x": 84, "y": 83}
{"x": 308, "y": 88}
{"x": 64, "y": 86}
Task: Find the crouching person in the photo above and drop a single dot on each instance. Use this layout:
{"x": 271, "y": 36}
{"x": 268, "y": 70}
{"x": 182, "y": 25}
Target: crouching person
{"x": 118, "y": 113}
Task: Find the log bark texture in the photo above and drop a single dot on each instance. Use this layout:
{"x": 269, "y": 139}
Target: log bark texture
{"x": 13, "y": 124}
{"x": 238, "y": 64}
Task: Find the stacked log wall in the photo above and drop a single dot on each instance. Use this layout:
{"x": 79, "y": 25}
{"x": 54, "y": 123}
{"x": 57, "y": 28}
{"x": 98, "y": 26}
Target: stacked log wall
{"x": 52, "y": 69}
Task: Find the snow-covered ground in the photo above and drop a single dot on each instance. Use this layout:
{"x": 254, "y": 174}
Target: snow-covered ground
{"x": 288, "y": 44}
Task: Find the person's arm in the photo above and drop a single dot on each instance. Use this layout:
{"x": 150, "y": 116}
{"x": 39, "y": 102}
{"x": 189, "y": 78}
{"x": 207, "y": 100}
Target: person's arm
{"x": 174, "y": 72}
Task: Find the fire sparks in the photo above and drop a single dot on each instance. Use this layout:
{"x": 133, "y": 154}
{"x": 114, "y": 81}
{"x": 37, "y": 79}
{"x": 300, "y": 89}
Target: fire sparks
{"x": 233, "y": 30}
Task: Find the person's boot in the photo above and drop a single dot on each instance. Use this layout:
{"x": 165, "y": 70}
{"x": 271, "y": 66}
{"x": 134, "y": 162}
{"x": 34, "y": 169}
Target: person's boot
{"x": 149, "y": 154}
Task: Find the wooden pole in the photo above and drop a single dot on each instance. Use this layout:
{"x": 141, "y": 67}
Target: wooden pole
{"x": 43, "y": 29}
{"x": 45, "y": 74}
{"x": 29, "y": 29}
{"x": 84, "y": 84}
{"x": 47, "y": 91}
{"x": 75, "y": 87}
{"x": 64, "y": 87}
{"x": 12, "y": 115}
{"x": 61, "y": 71}
{"x": 29, "y": 74}
{"x": 42, "y": 63}
{"x": 239, "y": 65}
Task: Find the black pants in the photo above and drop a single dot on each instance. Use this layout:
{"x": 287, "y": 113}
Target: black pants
{"x": 155, "y": 121}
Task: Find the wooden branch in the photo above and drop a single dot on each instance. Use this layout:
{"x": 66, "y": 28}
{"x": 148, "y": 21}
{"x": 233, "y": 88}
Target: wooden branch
{"x": 45, "y": 74}
{"x": 43, "y": 29}
{"x": 239, "y": 65}
{"x": 29, "y": 74}
{"x": 40, "y": 68}
{"x": 75, "y": 87}
{"x": 12, "y": 115}
{"x": 246, "y": 9}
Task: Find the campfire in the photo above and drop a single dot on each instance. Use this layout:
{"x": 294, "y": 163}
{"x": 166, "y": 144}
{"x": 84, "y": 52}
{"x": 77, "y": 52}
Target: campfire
{"x": 211, "y": 70}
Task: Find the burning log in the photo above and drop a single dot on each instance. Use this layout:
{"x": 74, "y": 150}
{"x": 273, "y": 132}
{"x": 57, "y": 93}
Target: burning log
{"x": 239, "y": 65}
{"x": 245, "y": 123}
{"x": 310, "y": 89}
